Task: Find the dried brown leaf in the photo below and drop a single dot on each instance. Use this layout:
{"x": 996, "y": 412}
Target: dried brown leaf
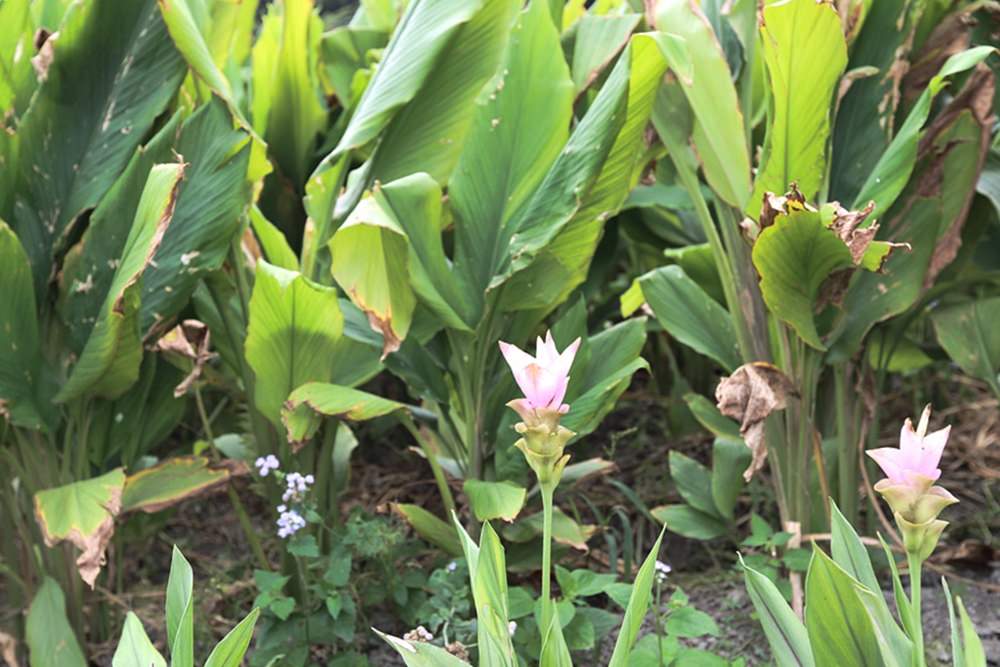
{"x": 190, "y": 340}
{"x": 749, "y": 395}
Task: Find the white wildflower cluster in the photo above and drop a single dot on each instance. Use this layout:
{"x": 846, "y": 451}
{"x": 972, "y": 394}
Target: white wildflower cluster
{"x": 266, "y": 464}
{"x": 662, "y": 570}
{"x": 289, "y": 522}
{"x": 419, "y": 634}
{"x": 296, "y": 486}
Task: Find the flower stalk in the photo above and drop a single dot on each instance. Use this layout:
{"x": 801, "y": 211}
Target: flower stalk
{"x": 543, "y": 379}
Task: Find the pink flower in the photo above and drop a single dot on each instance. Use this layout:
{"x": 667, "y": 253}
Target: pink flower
{"x": 543, "y": 378}
{"x": 918, "y": 454}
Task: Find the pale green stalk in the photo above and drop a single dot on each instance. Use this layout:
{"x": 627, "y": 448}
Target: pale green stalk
{"x": 547, "y": 492}
{"x": 914, "y": 562}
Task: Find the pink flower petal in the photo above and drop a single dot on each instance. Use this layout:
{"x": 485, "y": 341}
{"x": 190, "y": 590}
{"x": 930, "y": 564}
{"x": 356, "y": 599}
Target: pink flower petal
{"x": 889, "y": 459}
{"x": 515, "y": 356}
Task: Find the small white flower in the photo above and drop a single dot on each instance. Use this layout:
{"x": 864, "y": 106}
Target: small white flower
{"x": 512, "y": 628}
{"x": 662, "y": 570}
{"x": 289, "y": 523}
{"x": 452, "y": 566}
{"x": 266, "y": 464}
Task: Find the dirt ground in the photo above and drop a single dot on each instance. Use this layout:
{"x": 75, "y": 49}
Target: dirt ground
{"x": 207, "y": 532}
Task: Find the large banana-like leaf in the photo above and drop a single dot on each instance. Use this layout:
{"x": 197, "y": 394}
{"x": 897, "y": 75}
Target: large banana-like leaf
{"x": 291, "y": 337}
{"x": 101, "y": 93}
{"x": 865, "y": 118}
{"x": 563, "y": 264}
{"x": 369, "y": 261}
{"x": 21, "y": 400}
{"x": 935, "y": 203}
{"x": 212, "y": 197}
{"x": 690, "y": 315}
{"x": 110, "y": 360}
{"x": 309, "y": 403}
{"x": 422, "y": 35}
{"x": 718, "y": 130}
{"x": 804, "y": 48}
{"x": 597, "y": 41}
{"x": 521, "y": 123}
{"x": 287, "y": 110}
{"x": 429, "y": 133}
{"x": 90, "y": 266}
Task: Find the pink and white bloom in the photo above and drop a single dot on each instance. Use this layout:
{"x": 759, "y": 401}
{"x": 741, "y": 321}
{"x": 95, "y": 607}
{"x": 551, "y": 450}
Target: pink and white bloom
{"x": 919, "y": 453}
{"x": 543, "y": 378}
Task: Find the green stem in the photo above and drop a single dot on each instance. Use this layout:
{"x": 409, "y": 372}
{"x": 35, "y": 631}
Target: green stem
{"x": 917, "y": 624}
{"x": 234, "y": 498}
{"x": 847, "y": 459}
{"x": 547, "y": 492}
{"x": 439, "y": 478}
{"x": 690, "y": 182}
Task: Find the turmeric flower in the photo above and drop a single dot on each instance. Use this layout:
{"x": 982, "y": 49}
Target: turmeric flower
{"x": 543, "y": 378}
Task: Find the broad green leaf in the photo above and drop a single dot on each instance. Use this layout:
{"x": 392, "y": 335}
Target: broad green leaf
{"x": 170, "y": 482}
{"x": 694, "y": 482}
{"x": 890, "y": 174}
{"x": 414, "y": 203}
{"x": 212, "y": 197}
{"x": 134, "y": 648}
{"x": 989, "y": 181}
{"x": 116, "y": 82}
{"x": 83, "y": 513}
{"x": 564, "y": 529}
{"x": 273, "y": 242}
{"x": 794, "y": 257}
{"x": 346, "y": 50}
{"x": 635, "y": 613}
{"x": 730, "y": 456}
{"x": 287, "y": 109}
{"x": 596, "y": 385}
{"x": 968, "y": 332}
{"x": 17, "y": 77}
{"x": 689, "y": 522}
{"x": 51, "y": 641}
{"x": 708, "y": 415}
{"x": 429, "y": 133}
{"x": 188, "y": 23}
{"x": 785, "y": 633}
{"x": 494, "y": 500}
{"x": 421, "y": 654}
{"x": 230, "y": 651}
{"x": 416, "y": 45}
{"x": 804, "y": 48}
{"x": 597, "y": 41}
{"x": 90, "y": 265}
{"x": 848, "y": 552}
{"x": 291, "y": 336}
{"x": 306, "y": 405}
{"x": 707, "y": 82}
{"x": 923, "y": 218}
{"x": 563, "y": 264}
{"x": 109, "y": 363}
{"x": 558, "y": 228}
{"x": 20, "y": 354}
{"x": 690, "y": 315}
{"x": 840, "y": 628}
{"x": 180, "y": 611}
{"x": 431, "y": 528}
{"x": 691, "y": 622}
{"x": 521, "y": 122}
{"x": 369, "y": 260}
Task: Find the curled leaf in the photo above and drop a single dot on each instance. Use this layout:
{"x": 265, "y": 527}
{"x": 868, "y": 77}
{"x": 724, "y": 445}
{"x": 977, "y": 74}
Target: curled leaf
{"x": 749, "y": 395}
{"x": 83, "y": 513}
{"x": 190, "y": 340}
